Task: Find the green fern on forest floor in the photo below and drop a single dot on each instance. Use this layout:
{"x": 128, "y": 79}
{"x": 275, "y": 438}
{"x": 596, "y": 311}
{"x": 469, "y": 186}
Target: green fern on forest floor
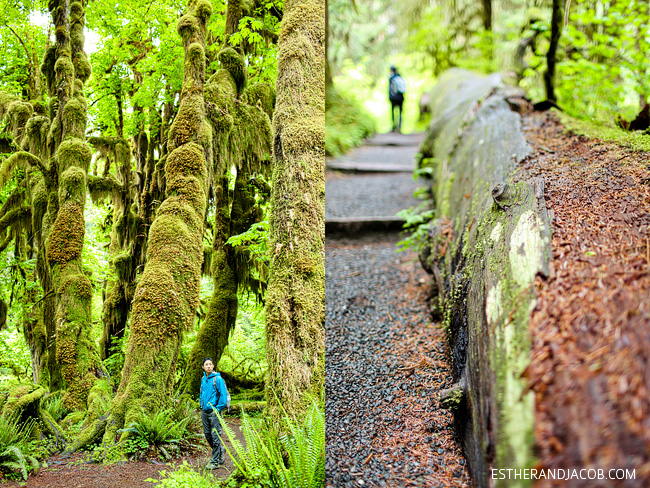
{"x": 13, "y": 447}
{"x": 293, "y": 458}
{"x": 54, "y": 405}
{"x": 157, "y": 430}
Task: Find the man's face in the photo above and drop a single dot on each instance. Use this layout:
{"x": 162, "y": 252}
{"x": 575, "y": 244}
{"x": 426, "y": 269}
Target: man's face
{"x": 208, "y": 367}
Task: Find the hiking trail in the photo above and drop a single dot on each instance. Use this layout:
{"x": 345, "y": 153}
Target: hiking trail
{"x": 385, "y": 360}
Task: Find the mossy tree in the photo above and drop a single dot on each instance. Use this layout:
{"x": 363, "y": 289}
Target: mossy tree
{"x": 51, "y": 154}
{"x": 167, "y": 293}
{"x": 76, "y": 354}
{"x": 295, "y": 300}
{"x": 240, "y": 118}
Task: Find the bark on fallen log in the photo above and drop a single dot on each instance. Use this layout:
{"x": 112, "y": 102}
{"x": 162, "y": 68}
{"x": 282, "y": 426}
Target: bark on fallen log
{"x": 489, "y": 240}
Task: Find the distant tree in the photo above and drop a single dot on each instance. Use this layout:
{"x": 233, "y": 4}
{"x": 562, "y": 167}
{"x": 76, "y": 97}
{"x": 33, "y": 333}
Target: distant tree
{"x": 556, "y": 32}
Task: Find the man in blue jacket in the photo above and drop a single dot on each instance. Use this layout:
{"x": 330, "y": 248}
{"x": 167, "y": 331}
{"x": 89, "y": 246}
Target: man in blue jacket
{"x": 213, "y": 396}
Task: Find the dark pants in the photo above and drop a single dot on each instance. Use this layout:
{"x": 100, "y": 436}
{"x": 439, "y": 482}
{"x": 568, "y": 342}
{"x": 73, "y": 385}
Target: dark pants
{"x": 396, "y": 103}
{"x": 212, "y": 427}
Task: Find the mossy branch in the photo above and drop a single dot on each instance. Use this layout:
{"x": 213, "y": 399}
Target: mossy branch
{"x": 20, "y": 158}
{"x": 14, "y": 216}
{"x": 102, "y": 187}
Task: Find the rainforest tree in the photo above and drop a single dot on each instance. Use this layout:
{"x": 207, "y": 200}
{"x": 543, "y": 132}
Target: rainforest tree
{"x": 295, "y": 302}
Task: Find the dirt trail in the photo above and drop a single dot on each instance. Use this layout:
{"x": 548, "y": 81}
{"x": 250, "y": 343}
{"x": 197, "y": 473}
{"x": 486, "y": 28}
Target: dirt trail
{"x": 590, "y": 363}
{"x": 385, "y": 360}
{"x": 78, "y": 471}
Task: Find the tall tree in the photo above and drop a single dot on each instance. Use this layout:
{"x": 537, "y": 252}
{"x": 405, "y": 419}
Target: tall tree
{"x": 75, "y": 352}
{"x": 167, "y": 294}
{"x": 295, "y": 300}
{"x": 240, "y": 116}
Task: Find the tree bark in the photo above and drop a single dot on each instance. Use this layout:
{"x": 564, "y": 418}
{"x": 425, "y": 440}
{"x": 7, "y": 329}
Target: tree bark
{"x": 556, "y": 32}
{"x": 295, "y": 300}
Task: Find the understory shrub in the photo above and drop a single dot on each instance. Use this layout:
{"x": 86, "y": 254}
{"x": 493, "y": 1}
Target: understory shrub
{"x": 347, "y": 123}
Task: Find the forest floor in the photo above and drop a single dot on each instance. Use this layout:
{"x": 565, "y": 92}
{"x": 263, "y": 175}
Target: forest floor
{"x": 385, "y": 360}
{"x": 78, "y": 471}
{"x": 590, "y": 359}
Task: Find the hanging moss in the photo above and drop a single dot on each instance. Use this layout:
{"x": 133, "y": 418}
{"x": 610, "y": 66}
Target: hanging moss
{"x": 262, "y": 95}
{"x": 19, "y": 113}
{"x": 36, "y": 131}
{"x": 233, "y": 62}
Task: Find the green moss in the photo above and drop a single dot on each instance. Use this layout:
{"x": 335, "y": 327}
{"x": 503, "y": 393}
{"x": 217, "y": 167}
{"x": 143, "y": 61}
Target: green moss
{"x": 72, "y": 186}
{"x": 187, "y": 159}
{"x": 188, "y": 26}
{"x": 233, "y": 62}
{"x": 636, "y": 140}
{"x": 74, "y": 152}
{"x": 262, "y": 95}
{"x": 63, "y": 68}
{"x": 22, "y": 401}
{"x": 74, "y": 119}
{"x": 221, "y": 85}
{"x": 99, "y": 400}
{"x": 82, "y": 67}
{"x": 123, "y": 266}
{"x": 67, "y": 236}
{"x": 191, "y": 114}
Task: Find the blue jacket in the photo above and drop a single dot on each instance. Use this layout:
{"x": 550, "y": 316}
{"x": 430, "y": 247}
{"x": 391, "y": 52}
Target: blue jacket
{"x": 209, "y": 397}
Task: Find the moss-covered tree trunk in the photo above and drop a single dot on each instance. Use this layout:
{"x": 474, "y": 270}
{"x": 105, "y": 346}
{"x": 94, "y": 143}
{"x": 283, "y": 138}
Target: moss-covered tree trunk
{"x": 75, "y": 352}
{"x": 119, "y": 291}
{"x": 212, "y": 338}
{"x": 168, "y": 292}
{"x": 295, "y": 300}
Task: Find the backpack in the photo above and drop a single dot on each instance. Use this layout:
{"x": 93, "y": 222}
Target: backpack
{"x": 397, "y": 86}
{"x": 214, "y": 382}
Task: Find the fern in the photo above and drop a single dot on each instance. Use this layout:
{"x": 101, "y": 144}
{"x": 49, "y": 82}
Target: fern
{"x": 158, "y": 429}
{"x": 262, "y": 460}
{"x": 13, "y": 445}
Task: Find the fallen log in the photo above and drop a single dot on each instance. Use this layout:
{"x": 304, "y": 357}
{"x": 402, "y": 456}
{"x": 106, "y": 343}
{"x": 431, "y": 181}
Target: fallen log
{"x": 487, "y": 243}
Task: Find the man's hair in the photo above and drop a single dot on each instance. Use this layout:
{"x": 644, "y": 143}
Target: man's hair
{"x": 206, "y": 359}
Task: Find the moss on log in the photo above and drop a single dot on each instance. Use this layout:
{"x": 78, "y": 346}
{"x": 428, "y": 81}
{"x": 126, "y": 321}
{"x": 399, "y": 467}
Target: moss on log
{"x": 487, "y": 244}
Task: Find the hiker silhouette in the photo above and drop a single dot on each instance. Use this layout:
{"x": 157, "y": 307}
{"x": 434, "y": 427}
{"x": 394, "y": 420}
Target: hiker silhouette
{"x": 396, "y": 90}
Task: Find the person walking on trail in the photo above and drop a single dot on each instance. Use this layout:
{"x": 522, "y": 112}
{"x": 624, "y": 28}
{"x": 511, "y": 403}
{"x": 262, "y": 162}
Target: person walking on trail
{"x": 396, "y": 90}
{"x": 213, "y": 396}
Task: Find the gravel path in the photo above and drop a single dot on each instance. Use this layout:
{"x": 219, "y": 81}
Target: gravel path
{"x": 385, "y": 360}
{"x": 361, "y": 194}
{"x": 368, "y": 195}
